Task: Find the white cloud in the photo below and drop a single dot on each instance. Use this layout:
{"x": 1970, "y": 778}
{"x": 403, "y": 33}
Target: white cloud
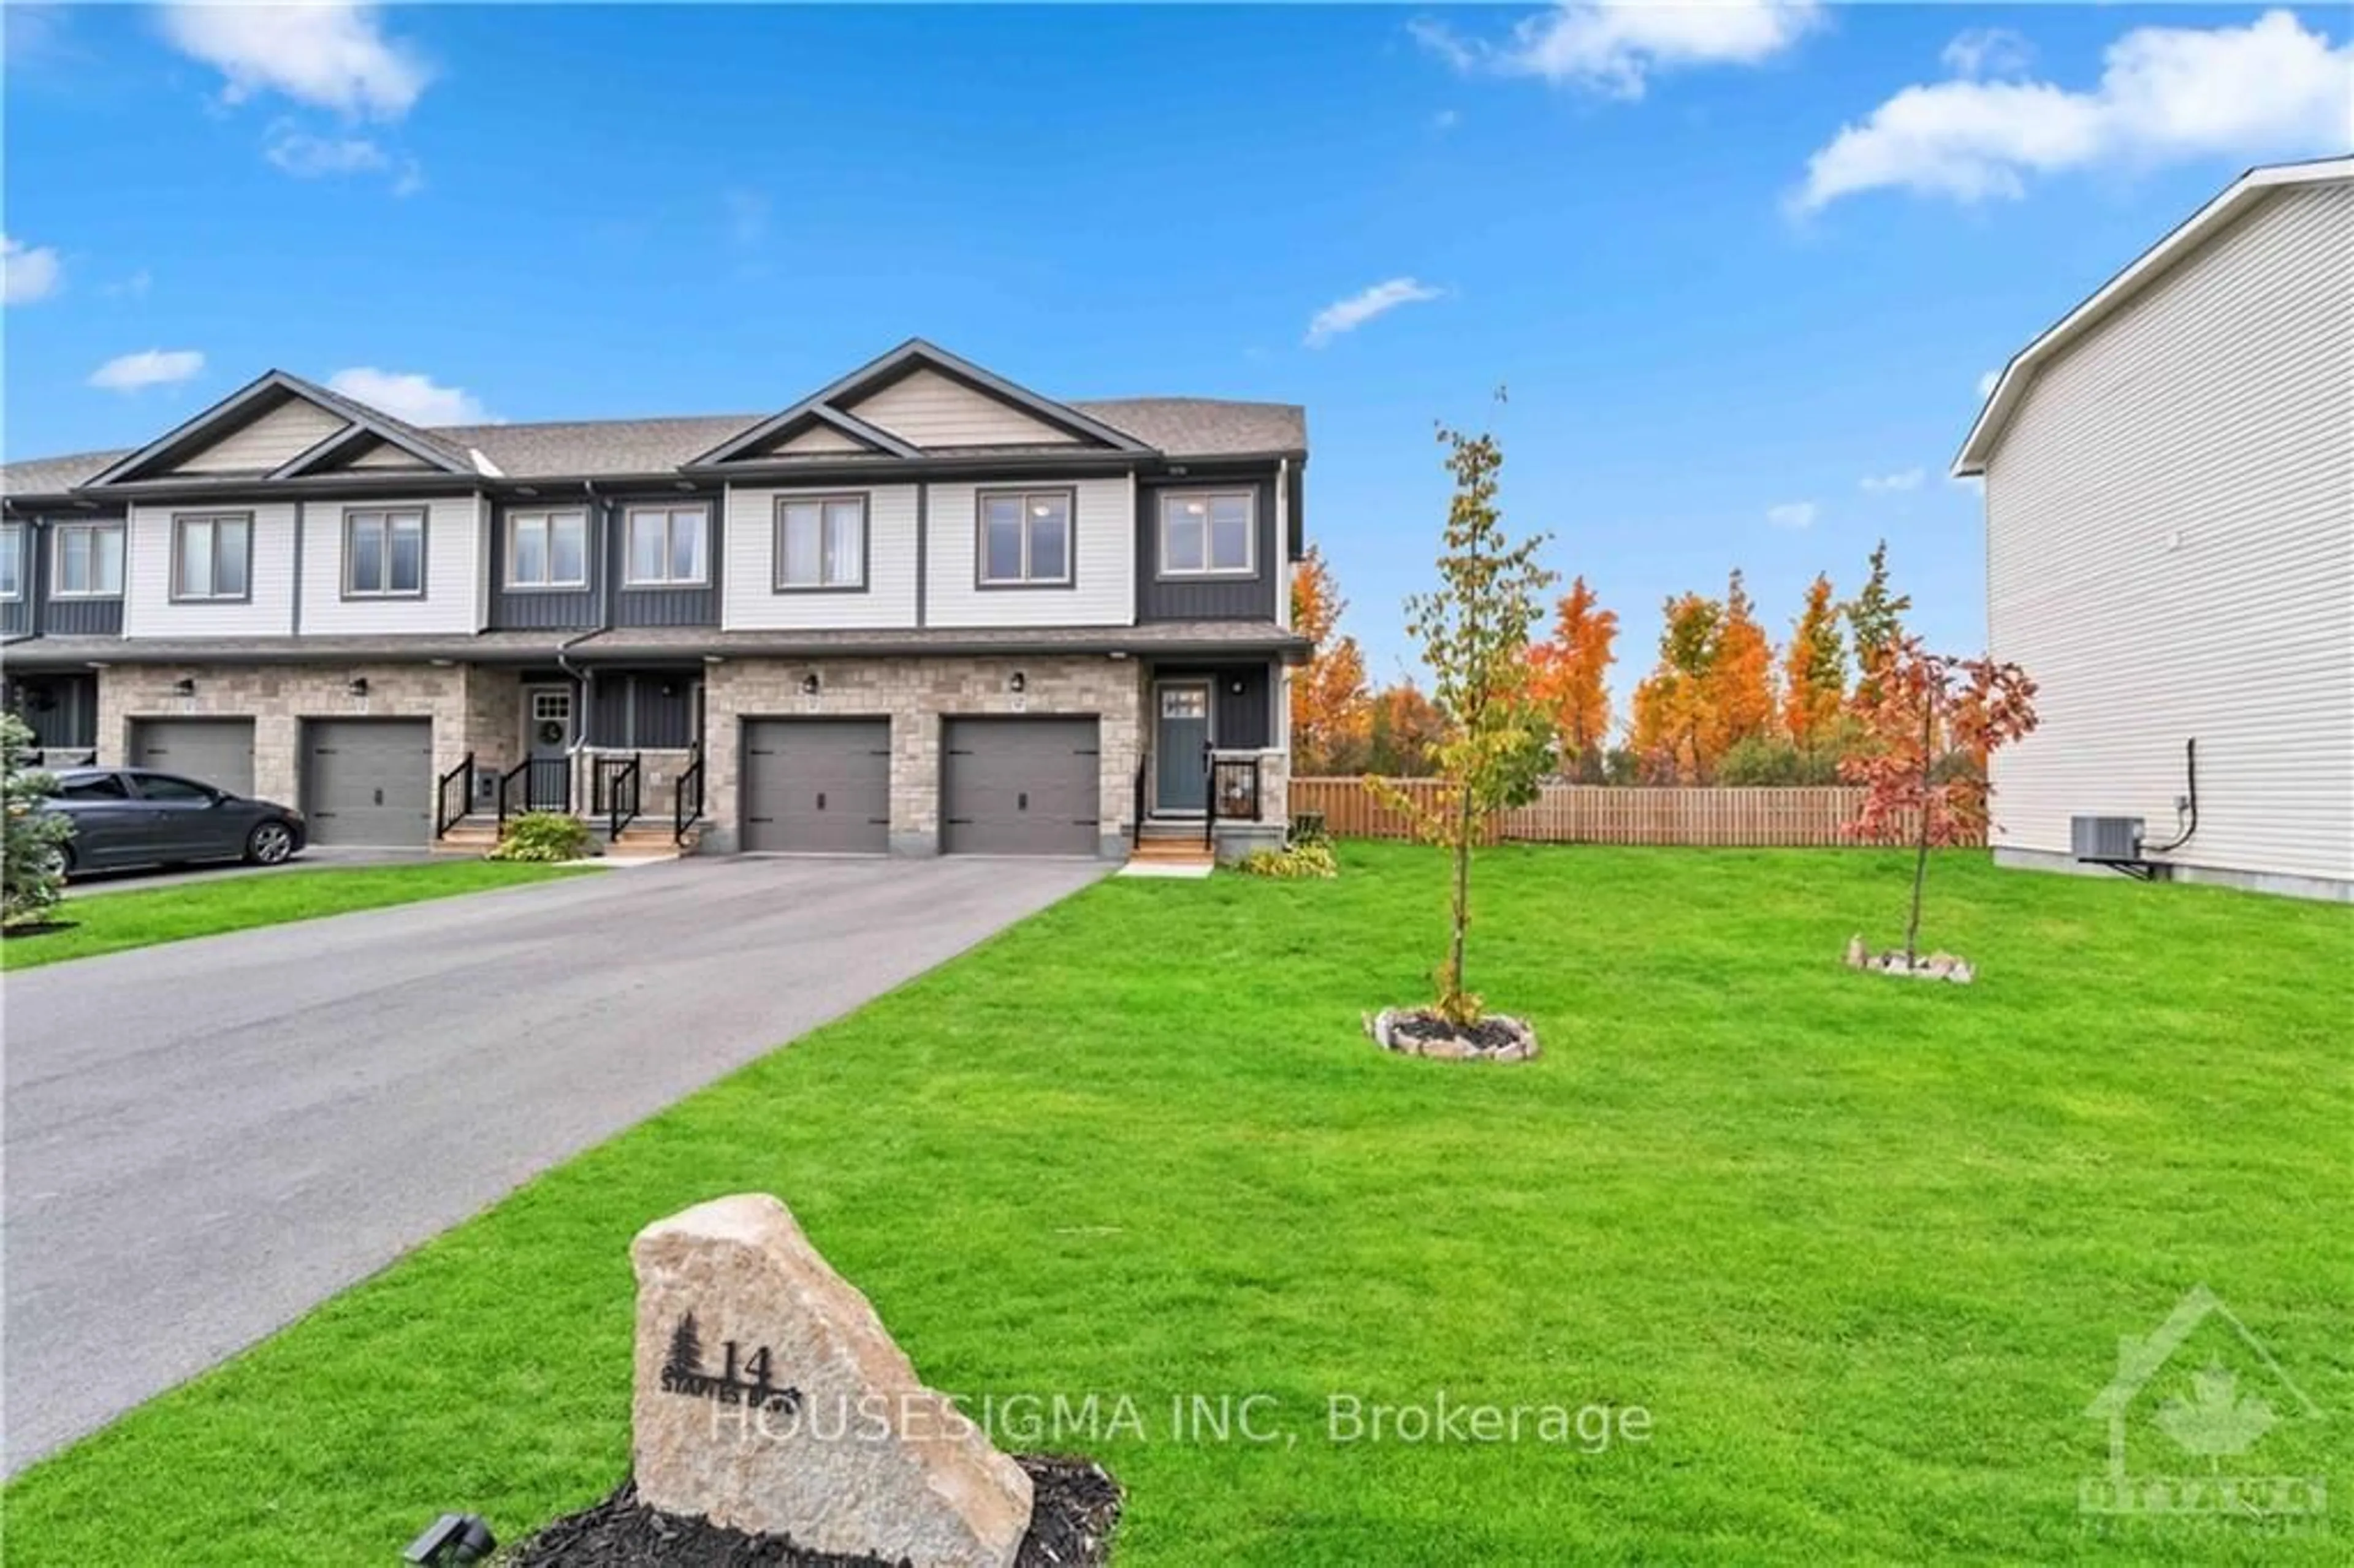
{"x": 1988, "y": 51}
{"x": 28, "y": 272}
{"x": 323, "y": 53}
{"x": 1987, "y": 383}
{"x": 1792, "y": 515}
{"x": 405, "y": 395}
{"x": 134, "y": 287}
{"x": 309, "y": 157}
{"x": 149, "y": 368}
{"x": 1903, "y": 479}
{"x": 2266, "y": 89}
{"x": 1612, "y": 47}
{"x": 410, "y": 180}
{"x": 1349, "y": 315}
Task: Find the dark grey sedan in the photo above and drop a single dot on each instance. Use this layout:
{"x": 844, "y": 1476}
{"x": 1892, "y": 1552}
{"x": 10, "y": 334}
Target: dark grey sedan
{"x": 133, "y": 816}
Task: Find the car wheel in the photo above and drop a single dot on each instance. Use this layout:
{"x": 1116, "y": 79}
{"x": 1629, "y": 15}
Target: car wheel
{"x": 61, "y": 861}
{"x": 269, "y": 844}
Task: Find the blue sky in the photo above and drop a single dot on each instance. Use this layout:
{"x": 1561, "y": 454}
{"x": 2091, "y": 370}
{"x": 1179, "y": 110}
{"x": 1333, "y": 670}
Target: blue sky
{"x": 1742, "y": 267}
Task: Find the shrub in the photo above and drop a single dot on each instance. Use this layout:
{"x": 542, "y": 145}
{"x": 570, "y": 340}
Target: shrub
{"x": 1305, "y": 860}
{"x": 545, "y": 835}
{"x": 32, "y": 878}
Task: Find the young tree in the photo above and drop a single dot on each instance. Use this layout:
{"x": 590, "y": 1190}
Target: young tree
{"x": 32, "y": 876}
{"x": 1569, "y": 674}
{"x": 1926, "y": 705}
{"x": 1675, "y": 726}
{"x": 1813, "y": 670}
{"x": 1327, "y": 694}
{"x": 1474, "y": 629}
{"x": 1741, "y": 678}
{"x": 1875, "y": 621}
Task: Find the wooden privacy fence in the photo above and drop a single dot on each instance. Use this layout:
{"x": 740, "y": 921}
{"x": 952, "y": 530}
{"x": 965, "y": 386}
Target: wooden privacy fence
{"x": 1767, "y": 818}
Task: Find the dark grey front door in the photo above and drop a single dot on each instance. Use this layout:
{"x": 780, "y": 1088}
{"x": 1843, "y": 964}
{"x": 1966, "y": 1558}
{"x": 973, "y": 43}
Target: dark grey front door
{"x": 369, "y": 781}
{"x": 817, "y": 786}
{"x": 1020, "y": 786}
{"x": 1180, "y": 748}
{"x": 218, "y": 752}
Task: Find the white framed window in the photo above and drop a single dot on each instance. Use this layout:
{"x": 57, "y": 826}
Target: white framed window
{"x": 212, "y": 555}
{"x": 1025, "y": 538}
{"x": 669, "y": 546}
{"x": 820, "y": 544}
{"x": 548, "y": 549}
{"x": 89, "y": 563}
{"x": 384, "y": 554}
{"x": 12, "y": 560}
{"x": 1209, "y": 533}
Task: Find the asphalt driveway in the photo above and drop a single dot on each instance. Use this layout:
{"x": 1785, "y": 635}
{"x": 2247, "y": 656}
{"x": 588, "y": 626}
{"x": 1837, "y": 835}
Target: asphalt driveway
{"x": 206, "y": 1139}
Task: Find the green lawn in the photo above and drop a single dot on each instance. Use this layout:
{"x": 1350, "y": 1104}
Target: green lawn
{"x": 111, "y": 922}
{"x": 1862, "y": 1248}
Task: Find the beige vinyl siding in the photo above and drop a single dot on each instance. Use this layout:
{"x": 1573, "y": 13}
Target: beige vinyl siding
{"x": 453, "y": 561}
{"x": 1103, "y": 586}
{"x": 926, "y": 409}
{"x": 268, "y": 611}
{"x": 751, "y": 601}
{"x": 384, "y": 454}
{"x": 285, "y": 432}
{"x": 2170, "y": 554}
{"x": 821, "y": 438}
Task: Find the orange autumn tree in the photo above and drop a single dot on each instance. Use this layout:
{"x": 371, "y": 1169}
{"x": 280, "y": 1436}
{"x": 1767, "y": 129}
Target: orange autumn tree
{"x": 1568, "y": 675}
{"x": 1674, "y": 728}
{"x": 1329, "y": 708}
{"x": 1402, "y": 726}
{"x": 1924, "y": 708}
{"x": 1741, "y": 677}
{"x": 1814, "y": 670}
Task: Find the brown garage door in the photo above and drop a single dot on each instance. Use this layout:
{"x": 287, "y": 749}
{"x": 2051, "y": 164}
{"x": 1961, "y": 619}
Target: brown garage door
{"x": 369, "y": 781}
{"x": 1020, "y": 786}
{"x": 214, "y": 751}
{"x": 817, "y": 786}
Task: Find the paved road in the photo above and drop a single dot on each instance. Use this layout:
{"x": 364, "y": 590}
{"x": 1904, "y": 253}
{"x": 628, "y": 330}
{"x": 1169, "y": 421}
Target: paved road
{"x": 185, "y": 1178}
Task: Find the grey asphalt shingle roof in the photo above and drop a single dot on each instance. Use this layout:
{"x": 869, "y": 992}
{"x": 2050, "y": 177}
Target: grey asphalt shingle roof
{"x": 1179, "y": 427}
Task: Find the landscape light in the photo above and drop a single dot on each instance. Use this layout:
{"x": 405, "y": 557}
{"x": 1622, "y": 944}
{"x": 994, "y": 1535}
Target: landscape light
{"x": 453, "y": 1538}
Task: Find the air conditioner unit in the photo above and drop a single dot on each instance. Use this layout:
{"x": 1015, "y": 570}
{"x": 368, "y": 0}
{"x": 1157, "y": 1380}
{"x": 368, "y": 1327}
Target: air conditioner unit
{"x": 2105, "y": 841}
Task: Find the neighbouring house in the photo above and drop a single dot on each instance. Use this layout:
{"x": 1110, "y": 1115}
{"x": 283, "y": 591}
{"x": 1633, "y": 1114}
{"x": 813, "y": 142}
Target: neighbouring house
{"x": 921, "y": 611}
{"x": 2169, "y": 513}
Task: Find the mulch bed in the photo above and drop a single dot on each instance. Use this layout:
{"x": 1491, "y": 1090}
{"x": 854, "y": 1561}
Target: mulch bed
{"x": 1487, "y": 1034}
{"x": 1070, "y": 1527}
{"x": 1418, "y": 1032}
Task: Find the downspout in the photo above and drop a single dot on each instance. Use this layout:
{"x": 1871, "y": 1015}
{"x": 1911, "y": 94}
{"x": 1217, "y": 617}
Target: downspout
{"x": 584, "y": 680}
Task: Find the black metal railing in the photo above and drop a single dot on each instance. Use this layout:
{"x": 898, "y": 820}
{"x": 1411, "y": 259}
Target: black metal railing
{"x": 446, "y": 814}
{"x": 613, "y": 791}
{"x": 1135, "y": 820}
{"x": 536, "y": 784}
{"x": 1234, "y": 792}
{"x": 687, "y": 799}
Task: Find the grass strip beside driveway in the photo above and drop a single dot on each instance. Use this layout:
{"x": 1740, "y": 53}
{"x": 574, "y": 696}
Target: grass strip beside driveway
{"x": 118, "y": 921}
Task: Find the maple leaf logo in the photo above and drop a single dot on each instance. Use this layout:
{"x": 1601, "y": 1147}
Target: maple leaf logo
{"x": 2217, "y": 1419}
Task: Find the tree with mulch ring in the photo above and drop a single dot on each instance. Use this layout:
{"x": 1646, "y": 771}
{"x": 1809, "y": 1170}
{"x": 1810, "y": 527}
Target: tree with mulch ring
{"x": 1475, "y": 629}
{"x": 1075, "y": 1507}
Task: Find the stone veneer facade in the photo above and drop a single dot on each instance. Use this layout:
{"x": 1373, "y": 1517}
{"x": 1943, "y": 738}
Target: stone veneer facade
{"x": 917, "y": 694}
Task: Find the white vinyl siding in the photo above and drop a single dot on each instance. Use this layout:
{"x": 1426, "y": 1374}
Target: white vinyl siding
{"x": 749, "y": 538}
{"x": 283, "y": 434}
{"x": 1102, "y": 591}
{"x": 926, "y": 409}
{"x": 455, "y": 534}
{"x": 268, "y": 608}
{"x": 2170, "y": 554}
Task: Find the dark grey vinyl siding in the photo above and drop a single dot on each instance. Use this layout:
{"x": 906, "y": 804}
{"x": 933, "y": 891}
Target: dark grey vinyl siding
{"x": 1205, "y": 598}
{"x": 82, "y": 618}
{"x": 1241, "y": 721}
{"x": 16, "y": 615}
{"x": 542, "y": 610}
{"x": 642, "y": 710}
{"x": 662, "y": 606}
{"x": 36, "y": 610}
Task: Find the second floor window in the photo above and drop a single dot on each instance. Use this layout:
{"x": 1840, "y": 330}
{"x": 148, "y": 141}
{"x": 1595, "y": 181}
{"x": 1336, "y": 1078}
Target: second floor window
{"x": 669, "y": 546}
{"x": 212, "y": 557}
{"x": 383, "y": 554}
{"x": 90, "y": 560}
{"x": 547, "y": 550}
{"x": 822, "y": 542}
{"x": 1207, "y": 535}
{"x": 12, "y": 562}
{"x": 1025, "y": 538}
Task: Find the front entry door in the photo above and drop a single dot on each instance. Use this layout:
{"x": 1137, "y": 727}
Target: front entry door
{"x": 547, "y": 742}
{"x": 1181, "y": 745}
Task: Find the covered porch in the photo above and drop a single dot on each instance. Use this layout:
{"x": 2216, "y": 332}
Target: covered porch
{"x": 620, "y": 748}
{"x": 1215, "y": 771}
